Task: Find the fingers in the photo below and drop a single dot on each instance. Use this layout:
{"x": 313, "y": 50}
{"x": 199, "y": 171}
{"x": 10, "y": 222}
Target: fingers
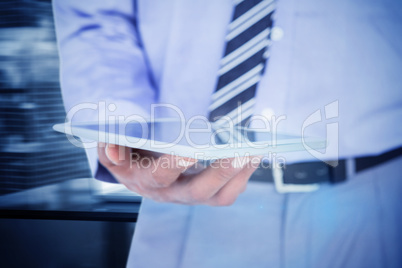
{"x": 228, "y": 194}
{"x": 116, "y": 159}
{"x": 218, "y": 185}
{"x": 167, "y": 168}
{"x": 162, "y": 178}
{"x": 111, "y": 155}
{"x": 205, "y": 185}
{"x": 142, "y": 170}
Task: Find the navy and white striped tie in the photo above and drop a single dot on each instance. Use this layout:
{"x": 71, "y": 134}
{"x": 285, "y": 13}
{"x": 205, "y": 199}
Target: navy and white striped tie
{"x": 243, "y": 63}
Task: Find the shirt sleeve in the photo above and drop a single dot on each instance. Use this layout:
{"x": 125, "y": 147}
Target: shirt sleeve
{"x": 104, "y": 70}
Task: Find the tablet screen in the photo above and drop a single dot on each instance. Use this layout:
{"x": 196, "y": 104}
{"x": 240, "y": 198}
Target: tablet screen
{"x": 186, "y": 139}
{"x": 195, "y": 135}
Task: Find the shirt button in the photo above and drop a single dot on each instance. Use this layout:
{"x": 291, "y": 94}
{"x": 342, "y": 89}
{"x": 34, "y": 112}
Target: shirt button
{"x": 268, "y": 113}
{"x": 276, "y": 33}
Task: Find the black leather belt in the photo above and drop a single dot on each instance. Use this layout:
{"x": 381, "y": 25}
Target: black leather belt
{"x": 308, "y": 173}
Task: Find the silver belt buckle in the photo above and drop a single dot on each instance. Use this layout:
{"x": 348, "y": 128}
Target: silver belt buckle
{"x": 281, "y": 187}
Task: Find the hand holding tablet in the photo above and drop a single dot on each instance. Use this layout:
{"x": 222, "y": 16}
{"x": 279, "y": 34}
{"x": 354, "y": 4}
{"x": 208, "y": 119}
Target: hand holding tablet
{"x": 155, "y": 158}
{"x": 163, "y": 177}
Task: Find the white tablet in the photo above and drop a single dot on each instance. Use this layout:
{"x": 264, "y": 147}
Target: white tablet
{"x": 199, "y": 140}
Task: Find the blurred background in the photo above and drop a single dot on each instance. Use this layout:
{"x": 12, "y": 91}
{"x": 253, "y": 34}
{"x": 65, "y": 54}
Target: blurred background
{"x": 33, "y": 156}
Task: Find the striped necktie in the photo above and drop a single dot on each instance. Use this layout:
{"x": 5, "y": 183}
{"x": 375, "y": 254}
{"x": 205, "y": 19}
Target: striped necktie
{"x": 243, "y": 63}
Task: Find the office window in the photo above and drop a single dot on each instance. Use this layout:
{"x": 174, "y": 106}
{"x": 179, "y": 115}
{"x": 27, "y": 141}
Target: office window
{"x": 31, "y": 153}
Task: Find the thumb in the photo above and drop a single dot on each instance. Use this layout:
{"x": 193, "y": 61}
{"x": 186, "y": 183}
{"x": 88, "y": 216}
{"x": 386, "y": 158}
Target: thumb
{"x": 112, "y": 154}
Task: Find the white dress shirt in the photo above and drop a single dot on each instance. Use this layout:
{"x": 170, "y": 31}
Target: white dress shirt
{"x": 342, "y": 58}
